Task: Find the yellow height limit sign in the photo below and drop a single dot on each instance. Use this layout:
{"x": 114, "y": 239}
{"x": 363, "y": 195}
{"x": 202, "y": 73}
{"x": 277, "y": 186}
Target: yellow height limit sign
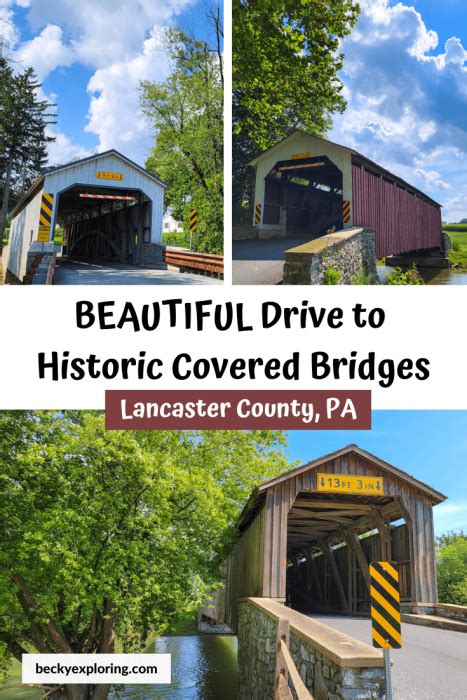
{"x": 346, "y": 483}
{"x": 385, "y": 613}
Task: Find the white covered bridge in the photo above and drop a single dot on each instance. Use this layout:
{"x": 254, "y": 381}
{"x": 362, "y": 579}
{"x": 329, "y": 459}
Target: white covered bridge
{"x": 110, "y": 209}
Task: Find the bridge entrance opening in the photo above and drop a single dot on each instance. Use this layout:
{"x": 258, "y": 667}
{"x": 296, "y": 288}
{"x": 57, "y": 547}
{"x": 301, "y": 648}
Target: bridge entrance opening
{"x": 104, "y": 223}
{"x": 332, "y": 538}
{"x": 305, "y": 196}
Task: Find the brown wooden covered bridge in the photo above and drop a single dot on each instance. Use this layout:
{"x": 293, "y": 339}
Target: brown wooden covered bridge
{"x": 306, "y": 538}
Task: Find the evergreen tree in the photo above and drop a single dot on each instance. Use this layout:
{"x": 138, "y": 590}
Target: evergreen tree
{"x": 24, "y": 117}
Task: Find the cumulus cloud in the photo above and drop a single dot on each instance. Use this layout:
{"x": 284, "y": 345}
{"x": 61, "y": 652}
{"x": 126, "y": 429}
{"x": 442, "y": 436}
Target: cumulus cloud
{"x": 407, "y": 97}
{"x": 62, "y": 150}
{"x": 114, "y": 113}
{"x": 115, "y": 38}
{"x": 46, "y": 51}
{"x": 107, "y": 31}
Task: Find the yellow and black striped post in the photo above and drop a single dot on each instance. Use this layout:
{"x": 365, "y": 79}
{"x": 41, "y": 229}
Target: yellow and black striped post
{"x": 45, "y": 217}
{"x": 193, "y": 220}
{"x": 346, "y": 211}
{"x": 257, "y": 214}
{"x": 385, "y": 613}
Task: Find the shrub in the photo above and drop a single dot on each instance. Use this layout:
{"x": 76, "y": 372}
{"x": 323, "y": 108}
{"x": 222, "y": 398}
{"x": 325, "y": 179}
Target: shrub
{"x": 362, "y": 278}
{"x": 456, "y": 246}
{"x": 400, "y": 276}
{"x": 452, "y": 568}
{"x": 332, "y": 276}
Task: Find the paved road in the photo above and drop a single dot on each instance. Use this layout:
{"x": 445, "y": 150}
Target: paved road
{"x": 260, "y": 262}
{"x": 121, "y": 273}
{"x": 432, "y": 664}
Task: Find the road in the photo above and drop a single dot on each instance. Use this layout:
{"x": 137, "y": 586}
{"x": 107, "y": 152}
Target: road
{"x": 432, "y": 664}
{"x": 123, "y": 273}
{"x": 260, "y": 262}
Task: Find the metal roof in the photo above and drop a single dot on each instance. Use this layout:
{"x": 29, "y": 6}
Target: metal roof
{"x": 359, "y": 158}
{"x": 38, "y": 184}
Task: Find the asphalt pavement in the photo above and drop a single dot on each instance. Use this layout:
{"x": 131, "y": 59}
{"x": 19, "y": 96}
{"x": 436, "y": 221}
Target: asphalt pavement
{"x": 432, "y": 664}
{"x": 123, "y": 273}
{"x": 260, "y": 262}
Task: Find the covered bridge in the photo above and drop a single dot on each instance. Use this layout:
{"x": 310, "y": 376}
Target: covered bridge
{"x": 306, "y": 186}
{"x": 306, "y": 538}
{"x": 109, "y": 207}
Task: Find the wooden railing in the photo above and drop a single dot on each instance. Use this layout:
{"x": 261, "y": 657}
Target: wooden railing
{"x": 194, "y": 261}
{"x": 286, "y": 671}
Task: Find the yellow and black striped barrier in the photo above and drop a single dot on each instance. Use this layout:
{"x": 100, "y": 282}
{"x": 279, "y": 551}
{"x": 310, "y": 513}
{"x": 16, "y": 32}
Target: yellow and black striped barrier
{"x": 385, "y": 605}
{"x": 257, "y": 214}
{"x": 193, "y": 220}
{"x": 346, "y": 211}
{"x": 45, "y": 217}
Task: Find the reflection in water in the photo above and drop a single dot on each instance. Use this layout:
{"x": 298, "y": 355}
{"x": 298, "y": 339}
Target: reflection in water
{"x": 430, "y": 275}
{"x": 204, "y": 667}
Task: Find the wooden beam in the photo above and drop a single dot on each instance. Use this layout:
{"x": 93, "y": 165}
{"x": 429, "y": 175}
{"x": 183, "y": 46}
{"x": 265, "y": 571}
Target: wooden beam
{"x": 383, "y": 533}
{"x": 328, "y": 553}
{"x": 333, "y": 505}
{"x": 356, "y": 547}
{"x": 316, "y": 581}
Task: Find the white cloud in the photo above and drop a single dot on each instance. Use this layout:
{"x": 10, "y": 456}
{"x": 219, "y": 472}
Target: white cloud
{"x": 105, "y": 32}
{"x": 407, "y": 102}
{"x": 45, "y": 52}
{"x": 450, "y": 516}
{"x": 62, "y": 150}
{"x": 114, "y": 112}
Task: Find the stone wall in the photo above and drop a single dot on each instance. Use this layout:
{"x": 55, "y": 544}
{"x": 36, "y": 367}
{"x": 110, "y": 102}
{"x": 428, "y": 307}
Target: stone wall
{"x": 322, "y": 675}
{"x": 350, "y": 252}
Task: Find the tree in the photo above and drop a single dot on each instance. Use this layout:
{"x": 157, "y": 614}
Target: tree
{"x": 285, "y": 75}
{"x": 187, "y": 113}
{"x": 107, "y": 533}
{"x": 24, "y": 117}
{"x": 452, "y": 568}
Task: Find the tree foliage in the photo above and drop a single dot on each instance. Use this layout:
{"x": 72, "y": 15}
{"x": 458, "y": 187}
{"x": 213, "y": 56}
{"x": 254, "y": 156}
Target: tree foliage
{"x": 452, "y": 568}
{"x": 23, "y": 140}
{"x": 187, "y": 113}
{"x": 285, "y": 73}
{"x": 107, "y": 533}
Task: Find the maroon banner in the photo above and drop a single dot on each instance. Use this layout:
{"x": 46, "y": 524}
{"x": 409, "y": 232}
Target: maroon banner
{"x": 238, "y": 410}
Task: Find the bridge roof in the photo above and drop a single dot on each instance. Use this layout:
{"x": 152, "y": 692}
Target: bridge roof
{"x": 357, "y": 158}
{"x": 39, "y": 182}
{"x": 259, "y": 493}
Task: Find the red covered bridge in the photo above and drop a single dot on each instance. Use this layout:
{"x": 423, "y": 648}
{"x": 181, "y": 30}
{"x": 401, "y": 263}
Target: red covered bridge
{"x": 306, "y": 186}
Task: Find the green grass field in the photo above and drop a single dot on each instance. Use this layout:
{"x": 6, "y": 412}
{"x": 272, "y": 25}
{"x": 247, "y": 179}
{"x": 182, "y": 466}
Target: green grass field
{"x": 458, "y": 235}
{"x": 8, "y": 691}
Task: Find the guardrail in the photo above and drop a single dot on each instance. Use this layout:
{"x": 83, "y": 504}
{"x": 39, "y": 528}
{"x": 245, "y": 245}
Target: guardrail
{"x": 286, "y": 670}
{"x": 192, "y": 261}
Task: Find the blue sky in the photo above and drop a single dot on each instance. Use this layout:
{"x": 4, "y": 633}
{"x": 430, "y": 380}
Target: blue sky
{"x": 405, "y": 77}
{"x": 90, "y": 57}
{"x": 429, "y": 445}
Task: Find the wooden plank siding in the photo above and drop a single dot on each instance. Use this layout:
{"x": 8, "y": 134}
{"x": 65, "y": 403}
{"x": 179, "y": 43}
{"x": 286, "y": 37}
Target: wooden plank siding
{"x": 258, "y": 566}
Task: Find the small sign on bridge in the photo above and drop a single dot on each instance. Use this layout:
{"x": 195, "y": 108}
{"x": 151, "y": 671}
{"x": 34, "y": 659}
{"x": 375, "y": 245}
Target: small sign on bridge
{"x": 346, "y": 483}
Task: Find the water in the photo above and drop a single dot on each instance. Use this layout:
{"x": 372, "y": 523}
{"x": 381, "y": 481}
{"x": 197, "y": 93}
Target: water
{"x": 204, "y": 667}
{"x": 430, "y": 275}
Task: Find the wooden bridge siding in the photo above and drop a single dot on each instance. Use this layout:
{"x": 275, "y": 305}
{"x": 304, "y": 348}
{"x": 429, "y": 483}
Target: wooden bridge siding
{"x": 244, "y": 569}
{"x": 280, "y": 498}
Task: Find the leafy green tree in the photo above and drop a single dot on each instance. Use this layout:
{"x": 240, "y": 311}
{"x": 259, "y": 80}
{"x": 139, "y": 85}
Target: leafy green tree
{"x": 187, "y": 113}
{"x": 285, "y": 74}
{"x": 452, "y": 568}
{"x": 110, "y": 534}
{"x": 24, "y": 117}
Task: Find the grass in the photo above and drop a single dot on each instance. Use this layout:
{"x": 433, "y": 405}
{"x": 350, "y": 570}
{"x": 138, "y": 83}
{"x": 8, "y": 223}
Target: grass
{"x": 7, "y": 692}
{"x": 458, "y": 254}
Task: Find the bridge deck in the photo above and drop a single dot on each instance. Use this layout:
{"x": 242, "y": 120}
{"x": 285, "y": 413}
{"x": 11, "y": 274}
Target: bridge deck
{"x": 122, "y": 273}
{"x": 431, "y": 664}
